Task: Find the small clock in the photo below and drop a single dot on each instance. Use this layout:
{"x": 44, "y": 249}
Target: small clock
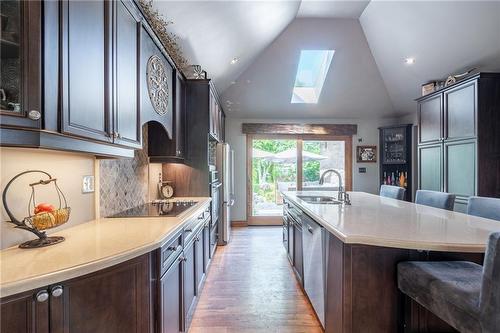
{"x": 165, "y": 189}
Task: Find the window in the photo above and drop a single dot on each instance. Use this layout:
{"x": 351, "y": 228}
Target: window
{"x": 311, "y": 75}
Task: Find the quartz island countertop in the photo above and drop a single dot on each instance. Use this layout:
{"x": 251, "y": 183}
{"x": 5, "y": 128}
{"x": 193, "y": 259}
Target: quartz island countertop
{"x": 379, "y": 221}
{"x": 89, "y": 247}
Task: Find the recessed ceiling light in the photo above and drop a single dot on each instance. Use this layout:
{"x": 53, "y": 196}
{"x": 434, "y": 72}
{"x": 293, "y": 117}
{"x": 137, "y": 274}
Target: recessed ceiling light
{"x": 234, "y": 60}
{"x": 409, "y": 61}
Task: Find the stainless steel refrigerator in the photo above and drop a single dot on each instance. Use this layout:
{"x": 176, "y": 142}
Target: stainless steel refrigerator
{"x": 225, "y": 167}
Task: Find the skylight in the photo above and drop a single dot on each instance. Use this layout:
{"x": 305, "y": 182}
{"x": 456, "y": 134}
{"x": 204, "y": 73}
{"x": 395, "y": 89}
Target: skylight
{"x": 311, "y": 74}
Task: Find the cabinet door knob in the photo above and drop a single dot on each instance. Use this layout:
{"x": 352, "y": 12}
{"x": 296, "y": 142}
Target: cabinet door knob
{"x": 42, "y": 296}
{"x": 56, "y": 291}
{"x": 34, "y": 115}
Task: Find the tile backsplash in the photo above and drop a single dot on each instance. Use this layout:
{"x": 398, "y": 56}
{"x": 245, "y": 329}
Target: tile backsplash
{"x": 124, "y": 182}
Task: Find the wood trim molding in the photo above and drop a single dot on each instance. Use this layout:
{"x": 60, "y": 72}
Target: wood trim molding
{"x": 302, "y": 129}
{"x": 239, "y": 224}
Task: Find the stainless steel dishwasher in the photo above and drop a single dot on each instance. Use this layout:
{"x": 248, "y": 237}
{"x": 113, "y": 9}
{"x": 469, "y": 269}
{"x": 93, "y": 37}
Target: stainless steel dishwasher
{"x": 313, "y": 238}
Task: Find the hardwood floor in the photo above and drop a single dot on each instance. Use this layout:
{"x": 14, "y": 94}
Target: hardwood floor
{"x": 251, "y": 288}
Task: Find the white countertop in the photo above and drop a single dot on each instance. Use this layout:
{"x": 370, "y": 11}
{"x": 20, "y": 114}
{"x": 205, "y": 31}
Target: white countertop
{"x": 88, "y": 247}
{"x": 379, "y": 221}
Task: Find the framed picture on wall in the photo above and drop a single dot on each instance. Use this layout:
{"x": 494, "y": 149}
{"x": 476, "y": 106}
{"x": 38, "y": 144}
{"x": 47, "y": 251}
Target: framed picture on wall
{"x": 366, "y": 154}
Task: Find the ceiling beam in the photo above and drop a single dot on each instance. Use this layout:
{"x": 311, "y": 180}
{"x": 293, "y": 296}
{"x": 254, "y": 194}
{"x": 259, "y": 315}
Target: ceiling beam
{"x": 305, "y": 129}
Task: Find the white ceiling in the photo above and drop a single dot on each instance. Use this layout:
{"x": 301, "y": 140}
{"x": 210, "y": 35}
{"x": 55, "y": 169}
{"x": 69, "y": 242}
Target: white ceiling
{"x": 368, "y": 77}
{"x": 212, "y": 33}
{"x": 444, "y": 37}
{"x": 353, "y": 86}
{"x": 332, "y": 9}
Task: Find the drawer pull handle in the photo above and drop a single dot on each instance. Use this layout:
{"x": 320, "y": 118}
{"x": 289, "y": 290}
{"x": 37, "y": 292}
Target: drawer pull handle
{"x": 42, "y": 296}
{"x": 56, "y": 291}
{"x": 174, "y": 248}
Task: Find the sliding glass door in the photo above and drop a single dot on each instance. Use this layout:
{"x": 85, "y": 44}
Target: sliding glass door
{"x": 274, "y": 169}
{"x": 289, "y": 163}
{"x": 319, "y": 156}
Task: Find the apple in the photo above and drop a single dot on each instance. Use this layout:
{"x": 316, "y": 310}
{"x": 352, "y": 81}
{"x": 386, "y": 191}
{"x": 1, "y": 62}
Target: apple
{"x": 44, "y": 207}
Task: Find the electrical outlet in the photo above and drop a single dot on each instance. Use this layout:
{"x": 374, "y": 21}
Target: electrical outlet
{"x": 88, "y": 184}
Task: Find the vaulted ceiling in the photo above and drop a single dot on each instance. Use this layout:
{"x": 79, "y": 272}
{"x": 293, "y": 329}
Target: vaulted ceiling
{"x": 368, "y": 77}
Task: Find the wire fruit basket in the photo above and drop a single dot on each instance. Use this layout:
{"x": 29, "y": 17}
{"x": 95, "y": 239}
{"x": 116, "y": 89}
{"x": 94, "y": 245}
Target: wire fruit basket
{"x": 40, "y": 216}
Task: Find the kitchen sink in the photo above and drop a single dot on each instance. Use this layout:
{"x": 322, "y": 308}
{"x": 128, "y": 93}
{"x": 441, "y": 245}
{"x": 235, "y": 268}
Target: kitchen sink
{"x": 319, "y": 199}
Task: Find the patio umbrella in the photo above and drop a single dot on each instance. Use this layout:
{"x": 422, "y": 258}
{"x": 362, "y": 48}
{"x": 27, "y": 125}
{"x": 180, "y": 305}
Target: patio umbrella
{"x": 258, "y": 153}
{"x": 290, "y": 156}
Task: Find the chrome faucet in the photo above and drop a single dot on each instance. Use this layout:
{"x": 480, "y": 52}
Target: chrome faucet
{"x": 343, "y": 196}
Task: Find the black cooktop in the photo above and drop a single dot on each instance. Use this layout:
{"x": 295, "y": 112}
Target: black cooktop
{"x": 159, "y": 208}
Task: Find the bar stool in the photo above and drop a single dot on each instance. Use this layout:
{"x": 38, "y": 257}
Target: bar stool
{"x": 435, "y": 199}
{"x": 484, "y": 207}
{"x": 464, "y": 294}
{"x": 393, "y": 192}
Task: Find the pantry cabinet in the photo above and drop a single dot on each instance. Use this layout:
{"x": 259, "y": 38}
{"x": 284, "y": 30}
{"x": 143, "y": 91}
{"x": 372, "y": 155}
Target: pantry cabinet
{"x": 459, "y": 142}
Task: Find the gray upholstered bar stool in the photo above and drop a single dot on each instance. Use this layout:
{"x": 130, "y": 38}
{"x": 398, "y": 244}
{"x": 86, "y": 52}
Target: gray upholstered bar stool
{"x": 435, "y": 199}
{"x": 484, "y": 207}
{"x": 464, "y": 294}
{"x": 394, "y": 192}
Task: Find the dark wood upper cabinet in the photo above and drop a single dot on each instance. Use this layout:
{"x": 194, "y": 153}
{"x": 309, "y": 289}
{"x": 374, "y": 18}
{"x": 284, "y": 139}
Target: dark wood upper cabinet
{"x": 217, "y": 117}
{"x": 180, "y": 117}
{"x": 162, "y": 148}
{"x": 460, "y": 111}
{"x": 151, "y": 47}
{"x": 21, "y": 63}
{"x": 86, "y": 69}
{"x": 430, "y": 114}
{"x": 127, "y": 34}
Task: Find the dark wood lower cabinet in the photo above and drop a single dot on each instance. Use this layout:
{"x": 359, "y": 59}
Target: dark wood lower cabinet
{"x": 115, "y": 299}
{"x": 155, "y": 292}
{"x": 111, "y": 300}
{"x": 189, "y": 283}
{"x": 22, "y": 313}
{"x": 206, "y": 247}
{"x": 170, "y": 315}
{"x": 298, "y": 253}
{"x": 199, "y": 269}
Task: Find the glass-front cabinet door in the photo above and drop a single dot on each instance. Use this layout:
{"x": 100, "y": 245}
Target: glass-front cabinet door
{"x": 20, "y": 66}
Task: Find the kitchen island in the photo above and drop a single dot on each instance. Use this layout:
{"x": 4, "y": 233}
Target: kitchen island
{"x": 361, "y": 246}
{"x": 110, "y": 275}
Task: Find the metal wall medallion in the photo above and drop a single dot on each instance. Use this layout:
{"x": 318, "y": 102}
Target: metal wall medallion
{"x": 156, "y": 75}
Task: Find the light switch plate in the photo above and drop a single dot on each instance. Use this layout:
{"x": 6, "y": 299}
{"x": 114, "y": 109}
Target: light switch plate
{"x": 88, "y": 184}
